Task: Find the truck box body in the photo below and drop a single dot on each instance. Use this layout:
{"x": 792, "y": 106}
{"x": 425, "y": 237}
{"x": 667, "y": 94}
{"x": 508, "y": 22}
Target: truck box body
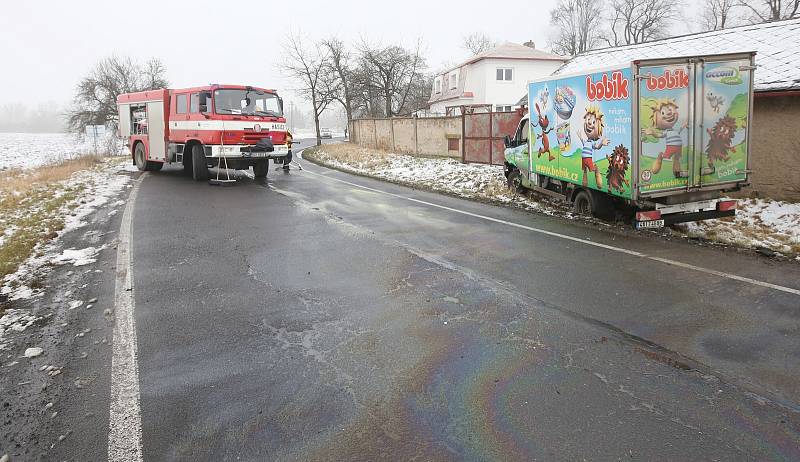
{"x": 645, "y": 132}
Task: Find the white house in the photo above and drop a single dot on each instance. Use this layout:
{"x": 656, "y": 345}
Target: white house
{"x": 497, "y": 77}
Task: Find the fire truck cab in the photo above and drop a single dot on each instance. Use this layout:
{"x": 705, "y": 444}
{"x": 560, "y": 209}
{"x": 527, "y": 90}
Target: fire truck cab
{"x": 231, "y": 126}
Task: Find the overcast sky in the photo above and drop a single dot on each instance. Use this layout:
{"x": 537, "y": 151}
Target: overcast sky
{"x": 46, "y": 46}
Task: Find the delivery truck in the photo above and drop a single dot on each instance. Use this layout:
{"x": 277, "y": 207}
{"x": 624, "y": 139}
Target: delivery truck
{"x": 665, "y": 138}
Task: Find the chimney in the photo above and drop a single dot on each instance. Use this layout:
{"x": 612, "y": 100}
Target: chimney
{"x": 530, "y": 44}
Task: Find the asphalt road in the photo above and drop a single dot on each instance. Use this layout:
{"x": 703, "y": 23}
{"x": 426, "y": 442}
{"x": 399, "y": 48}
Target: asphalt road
{"x": 323, "y": 316}
{"x": 306, "y": 317}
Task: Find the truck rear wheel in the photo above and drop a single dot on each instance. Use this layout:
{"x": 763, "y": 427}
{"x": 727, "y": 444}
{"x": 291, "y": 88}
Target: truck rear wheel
{"x": 588, "y": 202}
{"x": 199, "y": 164}
{"x": 582, "y": 205}
{"x": 138, "y": 157}
{"x": 261, "y": 168}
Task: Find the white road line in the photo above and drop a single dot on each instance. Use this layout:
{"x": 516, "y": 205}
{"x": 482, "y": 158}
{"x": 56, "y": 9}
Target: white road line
{"x": 125, "y": 418}
{"x": 634, "y": 253}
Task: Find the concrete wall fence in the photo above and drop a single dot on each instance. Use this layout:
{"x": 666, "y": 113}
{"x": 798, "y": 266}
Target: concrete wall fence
{"x": 422, "y": 136}
{"x": 775, "y": 144}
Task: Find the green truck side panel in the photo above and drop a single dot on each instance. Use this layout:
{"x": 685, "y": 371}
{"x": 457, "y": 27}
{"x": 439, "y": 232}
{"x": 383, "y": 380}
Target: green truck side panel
{"x": 690, "y": 131}
{"x": 581, "y": 130}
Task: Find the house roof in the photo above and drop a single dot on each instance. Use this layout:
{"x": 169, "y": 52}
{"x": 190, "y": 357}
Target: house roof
{"x": 775, "y": 44}
{"x": 507, "y": 50}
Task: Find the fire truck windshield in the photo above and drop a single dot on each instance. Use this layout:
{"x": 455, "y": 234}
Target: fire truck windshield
{"x": 247, "y": 102}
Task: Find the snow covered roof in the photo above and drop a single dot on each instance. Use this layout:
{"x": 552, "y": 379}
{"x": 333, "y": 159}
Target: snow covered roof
{"x": 510, "y": 50}
{"x": 515, "y": 51}
{"x": 776, "y": 45}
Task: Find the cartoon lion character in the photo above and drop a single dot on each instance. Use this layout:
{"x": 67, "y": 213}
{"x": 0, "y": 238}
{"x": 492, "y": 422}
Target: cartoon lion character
{"x": 592, "y": 138}
{"x": 719, "y": 143}
{"x": 664, "y": 117}
{"x": 617, "y": 166}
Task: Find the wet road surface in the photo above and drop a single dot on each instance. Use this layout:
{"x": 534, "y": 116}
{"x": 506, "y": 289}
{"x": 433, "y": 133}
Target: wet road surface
{"x": 304, "y": 318}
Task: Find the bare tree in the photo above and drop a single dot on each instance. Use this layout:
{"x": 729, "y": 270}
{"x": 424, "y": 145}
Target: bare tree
{"x": 96, "y": 95}
{"x": 770, "y": 10}
{"x": 638, "y": 21}
{"x": 477, "y": 43}
{"x": 310, "y": 69}
{"x": 391, "y": 72}
{"x": 340, "y": 63}
{"x": 718, "y": 14}
{"x": 578, "y": 26}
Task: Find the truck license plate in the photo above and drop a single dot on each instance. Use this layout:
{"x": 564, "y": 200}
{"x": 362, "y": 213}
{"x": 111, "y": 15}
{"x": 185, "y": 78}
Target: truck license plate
{"x": 650, "y": 224}
{"x": 258, "y": 154}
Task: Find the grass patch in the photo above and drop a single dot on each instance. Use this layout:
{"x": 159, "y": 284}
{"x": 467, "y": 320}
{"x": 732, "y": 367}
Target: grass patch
{"x": 15, "y": 184}
{"x": 354, "y": 155}
{"x": 33, "y": 204}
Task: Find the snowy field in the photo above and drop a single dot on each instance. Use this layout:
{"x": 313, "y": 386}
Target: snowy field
{"x": 30, "y": 150}
{"x": 310, "y": 133}
{"x": 759, "y": 224}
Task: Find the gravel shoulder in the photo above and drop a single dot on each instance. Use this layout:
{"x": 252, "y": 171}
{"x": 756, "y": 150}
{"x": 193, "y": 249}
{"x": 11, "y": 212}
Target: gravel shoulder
{"x": 56, "y": 323}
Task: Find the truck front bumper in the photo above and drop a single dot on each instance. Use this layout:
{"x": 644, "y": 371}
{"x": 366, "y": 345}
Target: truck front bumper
{"x": 246, "y": 151}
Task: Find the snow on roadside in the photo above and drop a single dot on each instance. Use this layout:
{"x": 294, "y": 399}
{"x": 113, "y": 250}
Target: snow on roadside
{"x": 16, "y": 321}
{"x": 77, "y": 257}
{"x": 473, "y": 181}
{"x": 759, "y": 224}
{"x": 97, "y": 186}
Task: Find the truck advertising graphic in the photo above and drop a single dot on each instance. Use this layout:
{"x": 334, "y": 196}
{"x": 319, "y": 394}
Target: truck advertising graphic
{"x": 650, "y": 135}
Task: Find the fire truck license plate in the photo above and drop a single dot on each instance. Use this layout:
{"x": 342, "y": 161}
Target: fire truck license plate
{"x": 650, "y": 224}
{"x": 258, "y": 154}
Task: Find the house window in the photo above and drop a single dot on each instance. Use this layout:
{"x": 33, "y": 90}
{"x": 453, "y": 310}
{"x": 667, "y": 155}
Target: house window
{"x": 453, "y": 81}
{"x": 505, "y": 74}
{"x": 503, "y": 109}
{"x": 181, "y": 105}
{"x": 438, "y": 86}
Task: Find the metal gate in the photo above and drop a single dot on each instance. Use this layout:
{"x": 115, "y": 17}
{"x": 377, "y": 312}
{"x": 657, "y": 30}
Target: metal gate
{"x": 482, "y": 140}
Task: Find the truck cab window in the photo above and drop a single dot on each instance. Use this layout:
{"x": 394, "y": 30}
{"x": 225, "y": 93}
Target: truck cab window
{"x": 181, "y": 104}
{"x": 247, "y": 102}
{"x": 194, "y": 103}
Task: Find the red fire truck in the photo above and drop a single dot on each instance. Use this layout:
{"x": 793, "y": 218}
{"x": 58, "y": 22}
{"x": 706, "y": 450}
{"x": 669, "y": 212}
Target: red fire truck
{"x": 231, "y": 126}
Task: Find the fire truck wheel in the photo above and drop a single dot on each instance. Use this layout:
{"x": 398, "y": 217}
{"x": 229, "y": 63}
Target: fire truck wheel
{"x": 138, "y": 156}
{"x": 199, "y": 165}
{"x": 261, "y": 168}
{"x": 187, "y": 163}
